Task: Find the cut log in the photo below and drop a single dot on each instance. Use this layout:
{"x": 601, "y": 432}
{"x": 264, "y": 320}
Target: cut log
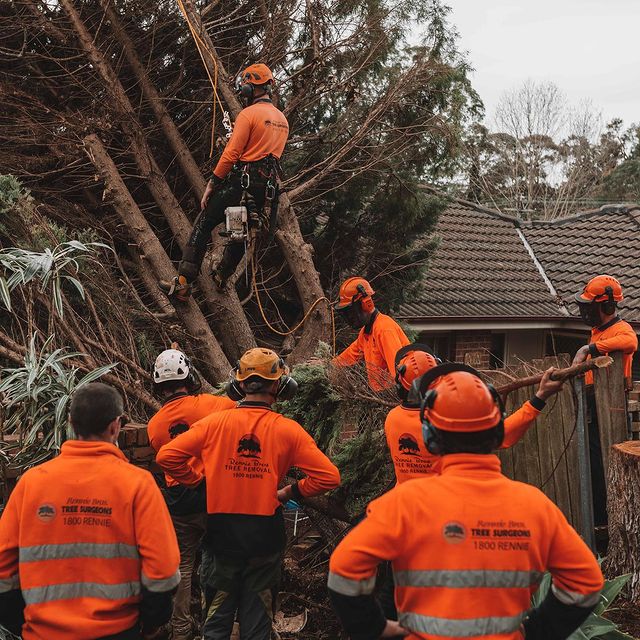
{"x": 623, "y": 509}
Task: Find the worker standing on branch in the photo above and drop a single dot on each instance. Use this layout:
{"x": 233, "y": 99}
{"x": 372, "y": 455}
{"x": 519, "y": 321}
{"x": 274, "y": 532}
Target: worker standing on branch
{"x": 598, "y": 304}
{"x": 248, "y": 171}
{"x": 379, "y": 338}
{"x": 177, "y": 385}
{"x": 403, "y": 428}
{"x": 469, "y": 546}
{"x": 86, "y": 540}
{"x": 246, "y": 453}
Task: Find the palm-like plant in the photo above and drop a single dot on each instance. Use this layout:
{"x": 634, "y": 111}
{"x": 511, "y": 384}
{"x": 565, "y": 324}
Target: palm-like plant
{"x": 51, "y": 268}
{"x": 35, "y": 397}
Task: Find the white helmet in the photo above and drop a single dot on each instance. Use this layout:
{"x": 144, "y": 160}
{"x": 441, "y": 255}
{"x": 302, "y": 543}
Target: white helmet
{"x": 171, "y": 365}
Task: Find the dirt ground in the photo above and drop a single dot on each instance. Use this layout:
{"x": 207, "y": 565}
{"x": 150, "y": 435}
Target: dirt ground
{"x": 626, "y": 615}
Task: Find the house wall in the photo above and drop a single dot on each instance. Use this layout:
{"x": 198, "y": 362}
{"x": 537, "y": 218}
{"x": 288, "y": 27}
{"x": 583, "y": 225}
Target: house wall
{"x": 473, "y": 348}
{"x": 524, "y": 345}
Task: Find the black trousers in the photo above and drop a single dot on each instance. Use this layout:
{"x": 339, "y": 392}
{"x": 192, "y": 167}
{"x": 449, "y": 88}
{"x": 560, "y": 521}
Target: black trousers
{"x": 228, "y": 194}
{"x": 598, "y": 483}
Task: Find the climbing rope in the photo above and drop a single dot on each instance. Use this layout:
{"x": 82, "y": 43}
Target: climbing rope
{"x": 203, "y": 48}
{"x": 304, "y": 318}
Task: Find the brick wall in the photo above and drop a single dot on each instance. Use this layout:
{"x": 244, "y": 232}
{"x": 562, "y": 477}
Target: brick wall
{"x": 472, "y": 348}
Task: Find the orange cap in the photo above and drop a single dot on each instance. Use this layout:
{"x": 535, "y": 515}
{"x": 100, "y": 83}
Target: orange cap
{"x": 413, "y": 365}
{"x": 263, "y": 363}
{"x": 600, "y": 289}
{"x": 352, "y": 290}
{"x": 257, "y": 74}
{"x": 462, "y": 403}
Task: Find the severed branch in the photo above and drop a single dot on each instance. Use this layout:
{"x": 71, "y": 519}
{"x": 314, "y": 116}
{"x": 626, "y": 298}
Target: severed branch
{"x": 559, "y": 374}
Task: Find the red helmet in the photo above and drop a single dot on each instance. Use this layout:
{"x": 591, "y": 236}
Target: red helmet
{"x": 601, "y": 289}
{"x": 460, "y": 401}
{"x": 412, "y": 365}
{"x": 352, "y": 290}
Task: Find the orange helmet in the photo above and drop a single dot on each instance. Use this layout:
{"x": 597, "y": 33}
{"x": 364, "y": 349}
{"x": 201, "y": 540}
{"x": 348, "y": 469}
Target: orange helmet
{"x": 454, "y": 398}
{"x": 413, "y": 361}
{"x": 352, "y": 290}
{"x": 257, "y": 74}
{"x": 264, "y": 363}
{"x": 601, "y": 289}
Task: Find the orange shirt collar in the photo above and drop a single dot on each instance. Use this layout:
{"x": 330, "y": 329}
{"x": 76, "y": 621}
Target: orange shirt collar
{"x": 469, "y": 464}
{"x": 90, "y": 448}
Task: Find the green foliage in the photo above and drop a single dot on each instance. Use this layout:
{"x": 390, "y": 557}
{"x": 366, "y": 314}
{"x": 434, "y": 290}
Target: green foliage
{"x": 51, "y": 268}
{"x": 595, "y": 626}
{"x": 10, "y": 193}
{"x": 35, "y": 398}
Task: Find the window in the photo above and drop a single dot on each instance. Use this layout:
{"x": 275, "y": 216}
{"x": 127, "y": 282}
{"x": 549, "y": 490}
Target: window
{"x": 496, "y": 351}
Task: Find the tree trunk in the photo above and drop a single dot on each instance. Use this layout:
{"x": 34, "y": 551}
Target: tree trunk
{"x": 204, "y": 344}
{"x": 171, "y": 132}
{"x": 297, "y": 252}
{"x": 235, "y": 333}
{"x": 623, "y": 509}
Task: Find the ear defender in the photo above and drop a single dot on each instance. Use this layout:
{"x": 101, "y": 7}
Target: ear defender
{"x": 365, "y": 300}
{"x": 247, "y": 91}
{"x": 287, "y": 388}
{"x": 233, "y": 388}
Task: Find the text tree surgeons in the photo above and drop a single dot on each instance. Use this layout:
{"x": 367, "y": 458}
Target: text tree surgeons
{"x": 87, "y": 548}
{"x": 250, "y": 163}
{"x": 468, "y": 547}
{"x": 177, "y": 385}
{"x": 246, "y": 452}
{"x": 379, "y": 337}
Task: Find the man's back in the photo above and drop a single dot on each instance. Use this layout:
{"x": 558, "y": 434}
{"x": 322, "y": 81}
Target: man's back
{"x": 92, "y": 532}
{"x": 468, "y": 549}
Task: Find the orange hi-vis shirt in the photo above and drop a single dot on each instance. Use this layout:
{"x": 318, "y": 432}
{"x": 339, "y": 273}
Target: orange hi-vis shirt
{"x": 246, "y": 453}
{"x": 468, "y": 549}
{"x": 261, "y": 129}
{"x": 616, "y": 335}
{"x": 177, "y": 416}
{"x": 377, "y": 345}
{"x": 409, "y": 454}
{"x": 81, "y": 536}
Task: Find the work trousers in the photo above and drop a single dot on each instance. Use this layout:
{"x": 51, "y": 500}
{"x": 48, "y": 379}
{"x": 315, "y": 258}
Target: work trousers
{"x": 247, "y": 586}
{"x": 598, "y": 483}
{"x": 228, "y": 194}
{"x": 190, "y": 530}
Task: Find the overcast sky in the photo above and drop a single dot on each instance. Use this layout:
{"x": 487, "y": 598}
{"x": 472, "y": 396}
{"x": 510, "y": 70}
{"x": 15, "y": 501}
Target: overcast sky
{"x": 589, "y": 48}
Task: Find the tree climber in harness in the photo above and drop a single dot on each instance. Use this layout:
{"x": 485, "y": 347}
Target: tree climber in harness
{"x": 246, "y": 174}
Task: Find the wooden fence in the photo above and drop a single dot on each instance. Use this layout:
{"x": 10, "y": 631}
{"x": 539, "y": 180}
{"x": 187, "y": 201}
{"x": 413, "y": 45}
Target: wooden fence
{"x": 547, "y": 457}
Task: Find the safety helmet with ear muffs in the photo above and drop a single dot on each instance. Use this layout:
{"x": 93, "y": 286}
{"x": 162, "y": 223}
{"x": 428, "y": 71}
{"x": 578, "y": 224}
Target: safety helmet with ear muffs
{"x": 266, "y": 365}
{"x": 356, "y": 289}
{"x": 455, "y": 399}
{"x": 412, "y": 361}
{"x": 254, "y": 75}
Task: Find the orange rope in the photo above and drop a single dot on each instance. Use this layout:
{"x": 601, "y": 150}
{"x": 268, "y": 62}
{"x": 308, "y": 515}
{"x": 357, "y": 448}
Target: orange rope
{"x": 304, "y": 318}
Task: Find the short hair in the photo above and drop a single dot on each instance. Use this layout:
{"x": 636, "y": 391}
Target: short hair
{"x": 256, "y": 384}
{"x": 484, "y": 441}
{"x": 169, "y": 387}
{"x": 93, "y": 407}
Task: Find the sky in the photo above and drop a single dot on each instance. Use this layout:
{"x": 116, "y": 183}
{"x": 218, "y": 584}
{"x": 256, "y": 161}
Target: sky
{"x": 589, "y": 48}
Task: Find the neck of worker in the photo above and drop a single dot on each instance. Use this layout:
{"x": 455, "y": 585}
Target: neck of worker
{"x": 176, "y": 393}
{"x": 109, "y": 435}
{"x": 607, "y": 318}
{"x": 266, "y": 399}
{"x": 261, "y": 97}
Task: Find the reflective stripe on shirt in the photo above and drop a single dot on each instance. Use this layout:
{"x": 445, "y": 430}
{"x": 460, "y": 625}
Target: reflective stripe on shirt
{"x": 72, "y": 590}
{"x": 10, "y": 583}
{"x": 349, "y": 587}
{"x": 161, "y": 585}
{"x": 460, "y": 628}
{"x": 78, "y": 550}
{"x": 467, "y": 578}
{"x": 574, "y": 598}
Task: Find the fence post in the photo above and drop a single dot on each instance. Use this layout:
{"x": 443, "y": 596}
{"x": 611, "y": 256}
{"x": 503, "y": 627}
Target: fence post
{"x": 584, "y": 466}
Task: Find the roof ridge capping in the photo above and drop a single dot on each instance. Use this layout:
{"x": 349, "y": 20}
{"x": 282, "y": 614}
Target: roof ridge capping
{"x": 631, "y": 209}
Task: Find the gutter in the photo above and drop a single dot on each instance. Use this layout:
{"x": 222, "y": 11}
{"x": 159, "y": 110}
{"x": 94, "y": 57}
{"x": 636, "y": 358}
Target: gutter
{"x": 540, "y": 268}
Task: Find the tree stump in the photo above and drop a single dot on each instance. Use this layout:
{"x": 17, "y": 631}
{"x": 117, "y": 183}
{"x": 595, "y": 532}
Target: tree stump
{"x": 623, "y": 509}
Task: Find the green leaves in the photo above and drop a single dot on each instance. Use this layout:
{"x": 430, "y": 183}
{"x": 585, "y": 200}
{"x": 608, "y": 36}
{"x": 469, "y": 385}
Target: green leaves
{"x": 49, "y": 268}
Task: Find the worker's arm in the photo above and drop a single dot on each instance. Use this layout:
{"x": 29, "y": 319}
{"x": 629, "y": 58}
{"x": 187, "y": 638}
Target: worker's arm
{"x": 625, "y": 341}
{"x": 11, "y": 601}
{"x": 353, "y": 564}
{"x": 576, "y": 584}
{"x": 174, "y": 457}
{"x": 389, "y": 343}
{"x": 322, "y": 474}
{"x": 518, "y": 423}
{"x": 159, "y": 555}
{"x": 351, "y": 355}
{"x": 236, "y": 145}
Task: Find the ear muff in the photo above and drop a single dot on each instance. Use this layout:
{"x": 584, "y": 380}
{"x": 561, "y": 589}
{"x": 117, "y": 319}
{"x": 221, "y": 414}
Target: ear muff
{"x": 233, "y": 388}
{"x": 420, "y": 388}
{"x": 609, "y": 305}
{"x": 287, "y": 388}
{"x": 365, "y": 300}
{"x": 403, "y": 394}
{"x": 247, "y": 90}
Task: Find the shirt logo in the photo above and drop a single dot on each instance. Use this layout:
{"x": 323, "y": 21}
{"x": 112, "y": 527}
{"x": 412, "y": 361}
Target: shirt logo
{"x": 249, "y": 446}
{"x": 177, "y": 429}
{"x": 454, "y": 532}
{"x": 408, "y": 445}
{"x": 46, "y": 512}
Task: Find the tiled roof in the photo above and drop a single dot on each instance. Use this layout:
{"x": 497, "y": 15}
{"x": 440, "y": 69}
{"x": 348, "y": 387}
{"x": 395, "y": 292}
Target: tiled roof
{"x": 483, "y": 269}
{"x": 480, "y": 268}
{"x": 574, "y": 249}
